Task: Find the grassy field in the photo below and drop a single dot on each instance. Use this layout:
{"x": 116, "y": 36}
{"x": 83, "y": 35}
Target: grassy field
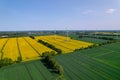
{"x": 64, "y": 43}
{"x": 100, "y": 63}
{"x": 91, "y": 40}
{"x": 33, "y": 70}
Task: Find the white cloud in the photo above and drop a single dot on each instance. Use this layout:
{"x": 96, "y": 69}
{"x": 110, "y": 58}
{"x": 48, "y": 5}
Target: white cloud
{"x": 87, "y": 12}
{"x": 110, "y": 11}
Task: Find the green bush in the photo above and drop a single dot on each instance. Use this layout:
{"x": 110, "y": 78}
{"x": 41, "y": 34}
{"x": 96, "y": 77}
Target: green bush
{"x": 52, "y": 63}
{"x": 6, "y": 61}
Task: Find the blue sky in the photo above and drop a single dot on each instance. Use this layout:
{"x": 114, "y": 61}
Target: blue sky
{"x": 59, "y": 15}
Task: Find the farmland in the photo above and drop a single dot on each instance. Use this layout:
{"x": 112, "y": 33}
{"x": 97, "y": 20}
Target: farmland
{"x": 11, "y": 50}
{"x": 27, "y": 48}
{"x": 2, "y": 42}
{"x": 93, "y": 40}
{"x": 64, "y": 43}
{"x": 98, "y": 63}
{"x": 90, "y": 62}
{"x": 23, "y": 47}
{"x": 38, "y": 47}
{"x": 33, "y": 70}
{"x": 101, "y": 63}
{"x": 88, "y": 39}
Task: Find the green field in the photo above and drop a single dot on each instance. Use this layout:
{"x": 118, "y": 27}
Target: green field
{"x": 33, "y": 70}
{"x": 100, "y": 63}
{"x": 92, "y": 40}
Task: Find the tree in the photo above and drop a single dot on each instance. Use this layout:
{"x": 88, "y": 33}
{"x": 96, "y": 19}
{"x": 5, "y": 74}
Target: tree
{"x": 32, "y": 37}
{"x": 19, "y": 59}
{"x": 6, "y": 61}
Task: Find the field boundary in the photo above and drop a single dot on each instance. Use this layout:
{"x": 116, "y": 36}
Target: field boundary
{"x": 18, "y": 48}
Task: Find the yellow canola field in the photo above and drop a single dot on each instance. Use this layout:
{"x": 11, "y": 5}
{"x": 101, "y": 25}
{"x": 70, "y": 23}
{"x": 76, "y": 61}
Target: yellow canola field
{"x": 53, "y": 42}
{"x": 11, "y": 49}
{"x": 64, "y": 43}
{"x": 39, "y": 47}
{"x": 2, "y": 42}
{"x": 26, "y": 50}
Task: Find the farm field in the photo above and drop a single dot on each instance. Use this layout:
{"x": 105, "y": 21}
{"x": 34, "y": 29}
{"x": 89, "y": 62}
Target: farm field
{"x": 64, "y": 43}
{"x": 37, "y": 46}
{"x": 26, "y": 50}
{"x": 2, "y": 42}
{"x": 33, "y": 70}
{"x": 24, "y": 47}
{"x": 99, "y": 63}
{"x": 93, "y": 40}
{"x": 11, "y": 49}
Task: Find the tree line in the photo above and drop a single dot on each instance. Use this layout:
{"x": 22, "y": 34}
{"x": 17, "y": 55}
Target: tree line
{"x": 59, "y": 51}
{"x": 51, "y": 63}
{"x": 97, "y": 37}
{"x": 8, "y": 61}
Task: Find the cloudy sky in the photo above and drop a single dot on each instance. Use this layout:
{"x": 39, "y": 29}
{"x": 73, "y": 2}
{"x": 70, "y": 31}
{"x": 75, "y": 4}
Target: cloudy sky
{"x": 59, "y": 15}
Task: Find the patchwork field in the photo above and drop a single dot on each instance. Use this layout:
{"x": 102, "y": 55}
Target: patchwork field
{"x": 28, "y": 48}
{"x": 98, "y": 63}
{"x": 64, "y": 43}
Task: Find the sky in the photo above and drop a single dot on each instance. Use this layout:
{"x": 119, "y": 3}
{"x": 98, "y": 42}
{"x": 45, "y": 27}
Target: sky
{"x": 17, "y": 15}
